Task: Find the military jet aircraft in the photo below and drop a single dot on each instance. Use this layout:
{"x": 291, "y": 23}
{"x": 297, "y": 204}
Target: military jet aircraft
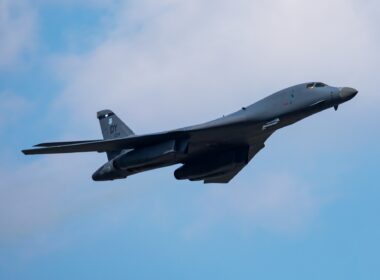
{"x": 213, "y": 152}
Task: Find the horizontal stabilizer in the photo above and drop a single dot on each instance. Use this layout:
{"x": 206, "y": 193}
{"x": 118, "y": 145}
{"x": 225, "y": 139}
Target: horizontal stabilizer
{"x": 52, "y": 144}
{"x": 110, "y": 145}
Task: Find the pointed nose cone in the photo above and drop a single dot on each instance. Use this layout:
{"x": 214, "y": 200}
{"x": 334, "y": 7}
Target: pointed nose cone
{"x": 347, "y": 93}
{"x": 96, "y": 176}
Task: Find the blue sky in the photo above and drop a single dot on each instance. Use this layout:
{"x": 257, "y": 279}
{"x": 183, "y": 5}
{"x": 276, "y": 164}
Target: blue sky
{"x": 306, "y": 207}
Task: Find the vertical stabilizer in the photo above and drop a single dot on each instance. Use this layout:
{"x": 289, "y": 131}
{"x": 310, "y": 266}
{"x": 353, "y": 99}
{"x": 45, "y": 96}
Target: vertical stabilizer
{"x": 112, "y": 128}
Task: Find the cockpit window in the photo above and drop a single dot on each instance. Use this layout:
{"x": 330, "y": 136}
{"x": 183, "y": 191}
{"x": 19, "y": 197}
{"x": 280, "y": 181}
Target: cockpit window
{"x": 320, "y": 85}
{"x": 315, "y": 85}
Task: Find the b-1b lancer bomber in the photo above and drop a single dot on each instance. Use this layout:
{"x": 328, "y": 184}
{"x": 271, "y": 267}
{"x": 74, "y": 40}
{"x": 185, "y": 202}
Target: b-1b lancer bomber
{"x": 213, "y": 152}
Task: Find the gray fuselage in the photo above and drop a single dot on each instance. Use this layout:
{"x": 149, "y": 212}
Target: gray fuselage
{"x": 214, "y": 151}
{"x": 248, "y": 127}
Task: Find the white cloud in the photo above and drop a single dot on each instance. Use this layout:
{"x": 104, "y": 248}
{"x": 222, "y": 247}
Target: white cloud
{"x": 12, "y": 108}
{"x": 174, "y": 57}
{"x": 17, "y": 31}
{"x": 32, "y": 202}
{"x": 275, "y": 202}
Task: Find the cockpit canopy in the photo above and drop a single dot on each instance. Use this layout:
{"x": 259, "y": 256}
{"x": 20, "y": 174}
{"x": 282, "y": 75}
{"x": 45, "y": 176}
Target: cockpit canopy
{"x": 315, "y": 85}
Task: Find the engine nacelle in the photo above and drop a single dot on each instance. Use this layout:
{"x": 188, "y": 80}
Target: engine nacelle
{"x": 155, "y": 155}
{"x": 108, "y": 172}
{"x": 200, "y": 172}
{"x": 141, "y": 159}
{"x": 212, "y": 165}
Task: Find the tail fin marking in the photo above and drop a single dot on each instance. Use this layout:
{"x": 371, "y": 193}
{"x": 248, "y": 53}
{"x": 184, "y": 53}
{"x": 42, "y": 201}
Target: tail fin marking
{"x": 112, "y": 128}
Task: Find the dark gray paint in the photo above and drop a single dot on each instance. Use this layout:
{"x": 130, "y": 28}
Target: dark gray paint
{"x": 213, "y": 152}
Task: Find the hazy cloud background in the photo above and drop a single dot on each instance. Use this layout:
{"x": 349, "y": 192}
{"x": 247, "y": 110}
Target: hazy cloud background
{"x": 166, "y": 64}
{"x": 17, "y": 31}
